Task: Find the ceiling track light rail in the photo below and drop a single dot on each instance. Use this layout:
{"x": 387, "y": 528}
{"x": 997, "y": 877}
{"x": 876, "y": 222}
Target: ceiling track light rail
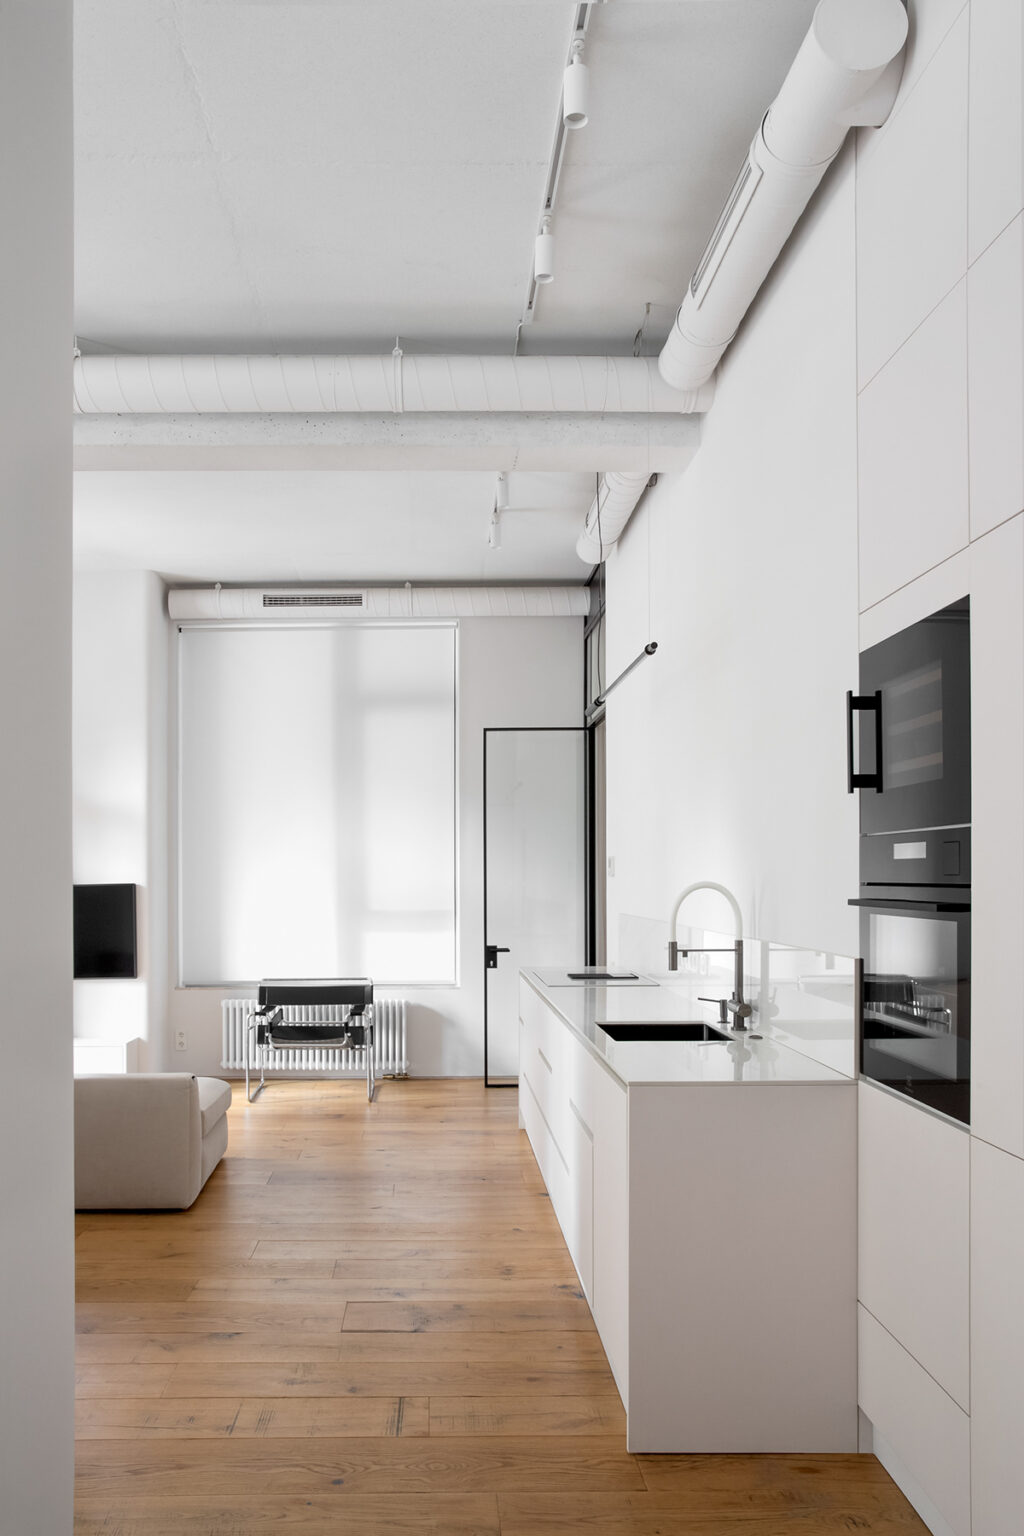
{"x": 573, "y": 112}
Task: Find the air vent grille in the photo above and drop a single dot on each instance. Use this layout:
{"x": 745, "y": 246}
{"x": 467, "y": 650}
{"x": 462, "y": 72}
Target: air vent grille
{"x": 314, "y": 600}
{"x": 729, "y": 221}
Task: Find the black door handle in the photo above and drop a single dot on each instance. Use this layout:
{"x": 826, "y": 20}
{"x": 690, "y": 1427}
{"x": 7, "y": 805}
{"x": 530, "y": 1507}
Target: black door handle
{"x": 872, "y": 702}
{"x": 491, "y": 953}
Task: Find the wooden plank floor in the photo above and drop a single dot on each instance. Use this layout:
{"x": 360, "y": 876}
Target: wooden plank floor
{"x": 368, "y": 1323}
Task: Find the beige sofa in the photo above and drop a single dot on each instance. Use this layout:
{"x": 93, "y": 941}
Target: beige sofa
{"x": 147, "y": 1140}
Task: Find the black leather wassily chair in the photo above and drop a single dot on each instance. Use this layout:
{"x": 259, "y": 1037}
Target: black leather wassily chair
{"x": 268, "y": 1029}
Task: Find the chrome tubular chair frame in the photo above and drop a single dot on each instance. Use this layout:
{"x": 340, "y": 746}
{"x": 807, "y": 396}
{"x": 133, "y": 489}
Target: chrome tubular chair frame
{"x": 267, "y": 1029}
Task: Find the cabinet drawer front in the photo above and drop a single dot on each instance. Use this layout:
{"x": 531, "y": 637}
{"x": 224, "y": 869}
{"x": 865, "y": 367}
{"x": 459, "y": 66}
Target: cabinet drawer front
{"x": 930, "y": 1435}
{"x": 914, "y": 1200}
{"x": 544, "y": 1042}
{"x": 578, "y": 1223}
{"x": 571, "y": 1189}
{"x": 550, "y": 1161}
{"x": 535, "y": 1015}
{"x": 611, "y": 1224}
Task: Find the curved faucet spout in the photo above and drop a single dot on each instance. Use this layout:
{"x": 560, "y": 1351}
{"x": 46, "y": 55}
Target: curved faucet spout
{"x": 740, "y": 1010}
{"x": 706, "y": 885}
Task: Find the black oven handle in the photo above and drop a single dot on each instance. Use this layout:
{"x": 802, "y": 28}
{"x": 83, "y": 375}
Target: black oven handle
{"x": 855, "y": 702}
{"x": 897, "y": 904}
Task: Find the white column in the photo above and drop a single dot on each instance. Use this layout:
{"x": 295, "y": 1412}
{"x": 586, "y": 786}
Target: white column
{"x": 36, "y": 1145}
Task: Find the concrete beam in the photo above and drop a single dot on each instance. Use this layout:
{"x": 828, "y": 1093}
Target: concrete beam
{"x": 485, "y": 441}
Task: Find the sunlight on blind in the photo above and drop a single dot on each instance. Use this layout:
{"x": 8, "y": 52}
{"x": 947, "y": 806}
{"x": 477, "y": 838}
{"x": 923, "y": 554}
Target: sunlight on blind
{"x": 317, "y": 806}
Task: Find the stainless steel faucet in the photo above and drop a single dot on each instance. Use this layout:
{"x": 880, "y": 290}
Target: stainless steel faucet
{"x": 740, "y": 1010}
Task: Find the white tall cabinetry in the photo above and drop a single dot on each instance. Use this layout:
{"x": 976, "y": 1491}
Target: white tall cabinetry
{"x": 940, "y": 499}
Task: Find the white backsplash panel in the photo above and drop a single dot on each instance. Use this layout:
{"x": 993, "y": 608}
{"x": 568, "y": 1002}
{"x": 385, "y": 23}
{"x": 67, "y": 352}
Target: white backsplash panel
{"x": 807, "y": 1002}
{"x": 802, "y": 998}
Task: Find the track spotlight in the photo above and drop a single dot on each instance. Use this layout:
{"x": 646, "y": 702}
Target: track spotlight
{"x": 501, "y": 491}
{"x": 574, "y": 87}
{"x": 494, "y": 532}
{"x": 544, "y": 253}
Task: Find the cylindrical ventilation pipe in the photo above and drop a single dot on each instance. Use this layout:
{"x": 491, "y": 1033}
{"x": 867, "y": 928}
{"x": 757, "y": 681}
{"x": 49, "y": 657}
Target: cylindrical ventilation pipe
{"x": 394, "y": 383}
{"x": 846, "y": 73}
{"x": 610, "y": 511}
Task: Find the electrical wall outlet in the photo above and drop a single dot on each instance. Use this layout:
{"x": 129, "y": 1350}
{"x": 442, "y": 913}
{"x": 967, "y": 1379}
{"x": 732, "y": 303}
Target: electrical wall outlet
{"x": 180, "y": 1043}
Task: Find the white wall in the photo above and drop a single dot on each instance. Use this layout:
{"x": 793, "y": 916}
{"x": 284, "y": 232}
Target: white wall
{"x": 36, "y": 1245}
{"x": 120, "y": 777}
{"x": 726, "y": 749}
{"x": 512, "y": 672}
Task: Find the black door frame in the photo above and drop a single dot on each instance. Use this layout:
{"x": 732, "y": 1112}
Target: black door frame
{"x": 494, "y": 730}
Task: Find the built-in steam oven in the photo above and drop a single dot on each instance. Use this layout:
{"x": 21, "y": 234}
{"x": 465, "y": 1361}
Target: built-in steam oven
{"x": 915, "y": 861}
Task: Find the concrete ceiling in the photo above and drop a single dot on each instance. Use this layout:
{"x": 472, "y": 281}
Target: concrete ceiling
{"x": 287, "y": 175}
{"x": 255, "y": 526}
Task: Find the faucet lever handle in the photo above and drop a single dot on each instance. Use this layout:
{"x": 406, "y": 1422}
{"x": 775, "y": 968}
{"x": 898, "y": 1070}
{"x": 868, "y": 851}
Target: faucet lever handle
{"x": 723, "y": 1006}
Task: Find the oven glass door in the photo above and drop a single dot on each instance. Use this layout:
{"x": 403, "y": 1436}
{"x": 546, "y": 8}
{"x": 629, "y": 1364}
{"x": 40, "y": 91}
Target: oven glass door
{"x": 922, "y": 741}
{"x": 915, "y": 1014}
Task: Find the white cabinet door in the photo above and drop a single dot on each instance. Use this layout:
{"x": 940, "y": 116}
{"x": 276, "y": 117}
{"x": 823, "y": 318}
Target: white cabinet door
{"x": 997, "y": 1322}
{"x": 611, "y": 1224}
{"x": 995, "y": 360}
{"x": 578, "y": 1224}
{"x": 912, "y": 455}
{"x": 997, "y": 895}
{"x": 995, "y": 133}
{"x": 914, "y": 1218}
{"x": 743, "y": 1265}
{"x": 922, "y": 1425}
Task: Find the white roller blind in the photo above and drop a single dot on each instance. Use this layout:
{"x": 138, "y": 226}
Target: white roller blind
{"x": 317, "y": 803}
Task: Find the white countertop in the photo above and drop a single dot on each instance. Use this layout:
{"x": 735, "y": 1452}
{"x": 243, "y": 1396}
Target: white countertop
{"x": 648, "y": 1062}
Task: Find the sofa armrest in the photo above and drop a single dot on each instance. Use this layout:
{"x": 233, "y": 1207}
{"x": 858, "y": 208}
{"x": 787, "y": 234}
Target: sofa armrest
{"x": 138, "y": 1141}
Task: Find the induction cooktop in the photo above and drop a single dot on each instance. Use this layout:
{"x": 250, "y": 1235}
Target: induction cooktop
{"x": 591, "y": 975}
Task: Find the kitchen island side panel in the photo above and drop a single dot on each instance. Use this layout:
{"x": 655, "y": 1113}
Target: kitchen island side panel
{"x": 743, "y": 1269}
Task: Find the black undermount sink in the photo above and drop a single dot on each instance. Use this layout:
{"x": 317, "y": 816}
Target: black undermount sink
{"x": 683, "y": 1031}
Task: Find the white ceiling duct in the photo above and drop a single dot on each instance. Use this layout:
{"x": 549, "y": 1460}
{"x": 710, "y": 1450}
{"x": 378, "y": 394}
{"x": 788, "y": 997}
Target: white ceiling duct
{"x": 610, "y": 511}
{"x": 297, "y": 603}
{"x": 191, "y": 385}
{"x": 846, "y": 73}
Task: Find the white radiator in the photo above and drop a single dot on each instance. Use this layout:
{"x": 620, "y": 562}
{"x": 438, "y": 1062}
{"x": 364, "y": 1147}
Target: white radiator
{"x": 390, "y": 1057}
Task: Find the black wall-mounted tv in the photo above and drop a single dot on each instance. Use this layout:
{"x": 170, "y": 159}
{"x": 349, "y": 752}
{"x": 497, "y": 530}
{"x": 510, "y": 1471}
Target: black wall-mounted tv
{"x": 105, "y": 936}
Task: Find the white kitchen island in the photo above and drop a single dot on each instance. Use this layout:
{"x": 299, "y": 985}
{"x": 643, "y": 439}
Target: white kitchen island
{"x": 707, "y": 1194}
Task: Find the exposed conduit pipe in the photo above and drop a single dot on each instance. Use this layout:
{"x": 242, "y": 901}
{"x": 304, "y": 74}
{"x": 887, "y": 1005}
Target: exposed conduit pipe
{"x": 191, "y": 385}
{"x": 847, "y": 73}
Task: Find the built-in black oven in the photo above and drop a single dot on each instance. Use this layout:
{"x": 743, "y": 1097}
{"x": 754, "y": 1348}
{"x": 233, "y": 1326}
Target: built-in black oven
{"x": 915, "y": 990}
{"x": 914, "y": 713}
{"x": 914, "y": 774}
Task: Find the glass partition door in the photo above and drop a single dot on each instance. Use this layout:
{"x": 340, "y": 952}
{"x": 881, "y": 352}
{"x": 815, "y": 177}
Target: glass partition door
{"x": 534, "y": 874}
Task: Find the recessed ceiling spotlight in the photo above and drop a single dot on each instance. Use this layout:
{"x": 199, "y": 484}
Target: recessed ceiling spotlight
{"x": 544, "y": 253}
{"x": 574, "y": 87}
